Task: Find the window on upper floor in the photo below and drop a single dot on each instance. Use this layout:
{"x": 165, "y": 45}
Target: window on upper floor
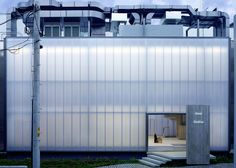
{"x": 71, "y": 31}
{"x": 55, "y": 31}
{"x": 47, "y": 31}
{"x": 51, "y": 31}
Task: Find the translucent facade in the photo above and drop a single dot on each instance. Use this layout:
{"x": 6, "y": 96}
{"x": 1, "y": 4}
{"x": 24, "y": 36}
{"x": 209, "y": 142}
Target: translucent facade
{"x": 95, "y": 92}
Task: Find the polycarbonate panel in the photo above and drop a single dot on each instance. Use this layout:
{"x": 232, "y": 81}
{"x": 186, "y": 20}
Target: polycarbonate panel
{"x": 95, "y": 92}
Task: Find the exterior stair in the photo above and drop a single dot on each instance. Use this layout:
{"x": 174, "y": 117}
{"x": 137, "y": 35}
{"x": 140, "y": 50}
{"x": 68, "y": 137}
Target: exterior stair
{"x": 154, "y": 160}
{"x": 168, "y": 148}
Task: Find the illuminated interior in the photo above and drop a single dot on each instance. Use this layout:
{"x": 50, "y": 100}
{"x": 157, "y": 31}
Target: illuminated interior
{"x": 167, "y": 132}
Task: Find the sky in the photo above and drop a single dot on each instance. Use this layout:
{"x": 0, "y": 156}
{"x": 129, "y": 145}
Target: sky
{"x": 228, "y": 6}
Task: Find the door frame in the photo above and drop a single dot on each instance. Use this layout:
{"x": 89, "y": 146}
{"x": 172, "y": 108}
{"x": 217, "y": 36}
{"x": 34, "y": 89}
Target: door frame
{"x": 147, "y": 124}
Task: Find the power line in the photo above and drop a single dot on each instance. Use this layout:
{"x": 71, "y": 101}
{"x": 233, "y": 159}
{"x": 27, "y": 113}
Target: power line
{"x": 11, "y": 48}
{"x": 20, "y": 42}
{"x": 33, "y": 13}
{"x": 28, "y": 16}
{"x": 5, "y": 22}
{"x": 30, "y": 13}
{"x": 14, "y": 50}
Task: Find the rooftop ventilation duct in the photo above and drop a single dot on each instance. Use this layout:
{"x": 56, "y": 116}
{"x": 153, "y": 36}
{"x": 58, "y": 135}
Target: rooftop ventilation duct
{"x": 119, "y": 17}
{"x": 42, "y": 2}
{"x": 134, "y": 18}
{"x": 149, "y": 18}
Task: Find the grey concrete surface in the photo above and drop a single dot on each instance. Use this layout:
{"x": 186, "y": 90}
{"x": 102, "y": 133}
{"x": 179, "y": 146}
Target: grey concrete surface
{"x": 126, "y": 166}
{"x": 198, "y": 134}
{"x": 223, "y": 165}
{"x": 13, "y": 166}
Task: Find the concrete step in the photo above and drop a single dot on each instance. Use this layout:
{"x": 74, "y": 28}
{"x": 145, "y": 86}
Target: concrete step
{"x": 147, "y": 163}
{"x": 13, "y": 166}
{"x": 166, "y": 148}
{"x": 158, "y": 162}
{"x": 164, "y": 160}
{"x": 158, "y": 157}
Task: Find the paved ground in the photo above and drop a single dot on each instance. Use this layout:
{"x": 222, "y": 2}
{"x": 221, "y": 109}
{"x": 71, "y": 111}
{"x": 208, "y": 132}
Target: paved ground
{"x": 126, "y": 166}
{"x": 225, "y": 165}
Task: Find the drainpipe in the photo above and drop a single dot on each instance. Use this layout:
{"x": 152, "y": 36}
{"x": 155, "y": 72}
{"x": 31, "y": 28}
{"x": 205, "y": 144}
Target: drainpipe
{"x": 225, "y": 25}
{"x": 89, "y": 20}
{"x": 198, "y": 26}
{"x": 188, "y": 30}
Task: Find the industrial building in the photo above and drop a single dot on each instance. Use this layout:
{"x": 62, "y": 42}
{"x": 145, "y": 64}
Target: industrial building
{"x": 112, "y": 77}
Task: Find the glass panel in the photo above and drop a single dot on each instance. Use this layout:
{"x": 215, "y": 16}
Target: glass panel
{"x": 93, "y": 131}
{"x": 126, "y": 130}
{"x": 167, "y": 79}
{"x": 43, "y": 129}
{"x": 192, "y": 74}
{"x": 101, "y": 129}
{"x": 134, "y": 140}
{"x": 48, "y": 31}
{"x": 75, "y": 31}
{"x": 67, "y": 31}
{"x": 56, "y": 31}
{"x": 118, "y": 131}
{"x": 109, "y": 130}
{"x": 76, "y": 127}
{"x": 51, "y": 136}
{"x": 176, "y": 79}
{"x": 84, "y": 131}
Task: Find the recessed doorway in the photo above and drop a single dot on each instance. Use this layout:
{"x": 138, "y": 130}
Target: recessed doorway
{"x": 166, "y": 132}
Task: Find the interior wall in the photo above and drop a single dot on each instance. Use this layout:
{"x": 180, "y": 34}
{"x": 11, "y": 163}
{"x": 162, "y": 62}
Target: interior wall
{"x": 156, "y": 123}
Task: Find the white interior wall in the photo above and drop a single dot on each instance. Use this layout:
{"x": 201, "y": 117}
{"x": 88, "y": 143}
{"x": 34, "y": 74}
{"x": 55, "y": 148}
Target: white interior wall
{"x": 156, "y": 123}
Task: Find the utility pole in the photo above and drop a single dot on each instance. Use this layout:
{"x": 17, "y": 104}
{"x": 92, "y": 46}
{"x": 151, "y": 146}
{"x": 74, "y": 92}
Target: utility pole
{"x": 36, "y": 87}
{"x": 234, "y": 91}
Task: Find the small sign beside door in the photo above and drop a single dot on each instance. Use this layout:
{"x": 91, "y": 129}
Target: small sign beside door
{"x": 198, "y": 134}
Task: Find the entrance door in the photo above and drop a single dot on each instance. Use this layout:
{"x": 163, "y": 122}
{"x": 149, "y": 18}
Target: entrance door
{"x": 166, "y": 132}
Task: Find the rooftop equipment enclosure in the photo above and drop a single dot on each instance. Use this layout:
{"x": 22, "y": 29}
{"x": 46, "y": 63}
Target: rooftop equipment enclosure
{"x": 95, "y": 92}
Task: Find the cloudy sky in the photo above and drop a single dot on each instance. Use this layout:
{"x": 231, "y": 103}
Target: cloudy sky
{"x": 228, "y": 6}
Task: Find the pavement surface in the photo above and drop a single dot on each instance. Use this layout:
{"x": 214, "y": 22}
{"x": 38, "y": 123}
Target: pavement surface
{"x": 126, "y": 166}
{"x": 223, "y": 165}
